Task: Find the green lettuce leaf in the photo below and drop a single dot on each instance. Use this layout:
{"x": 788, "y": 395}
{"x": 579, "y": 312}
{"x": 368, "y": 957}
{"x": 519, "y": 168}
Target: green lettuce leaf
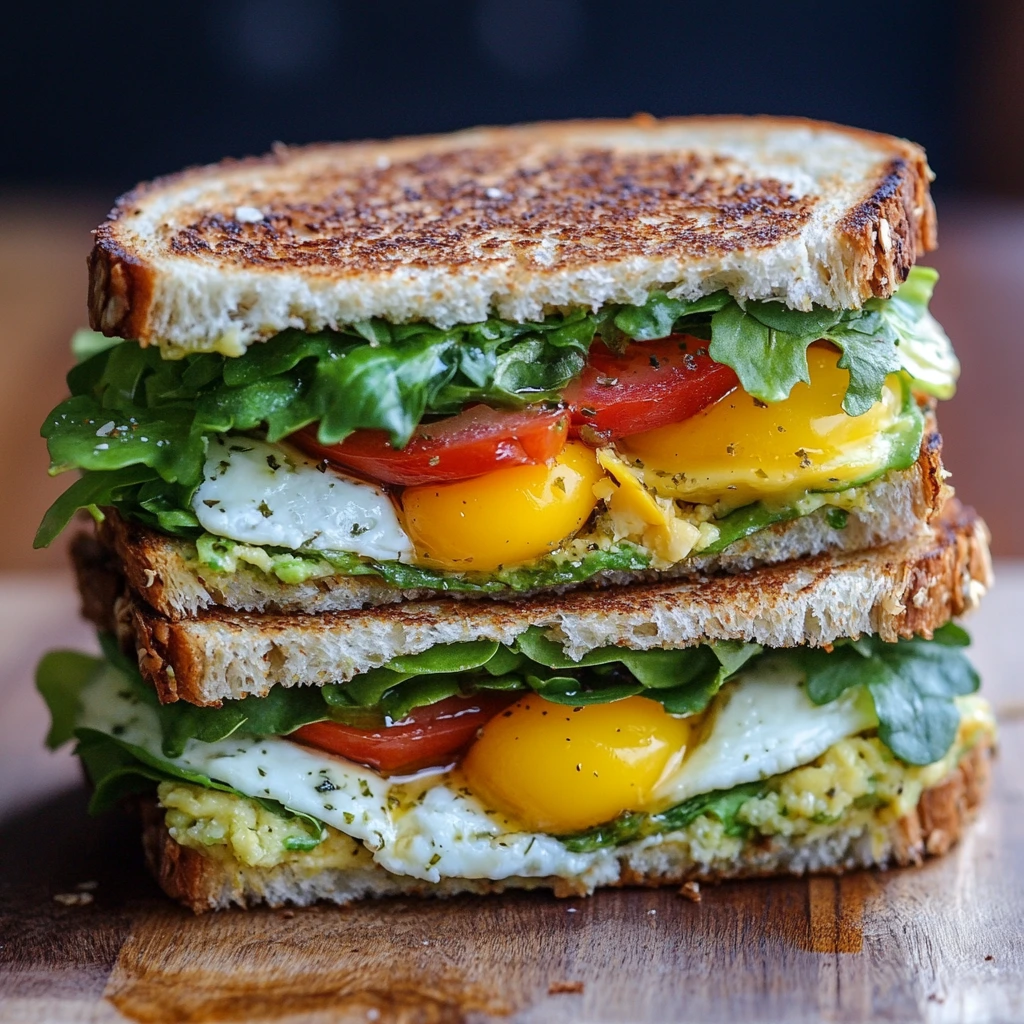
{"x": 766, "y": 344}
{"x": 91, "y": 491}
{"x": 684, "y": 681}
{"x": 60, "y": 678}
{"x": 117, "y": 769}
{"x": 912, "y": 682}
{"x": 723, "y": 805}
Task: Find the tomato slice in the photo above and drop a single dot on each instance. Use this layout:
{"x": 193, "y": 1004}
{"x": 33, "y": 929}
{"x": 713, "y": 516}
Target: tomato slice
{"x": 428, "y": 736}
{"x": 652, "y": 384}
{"x": 477, "y": 441}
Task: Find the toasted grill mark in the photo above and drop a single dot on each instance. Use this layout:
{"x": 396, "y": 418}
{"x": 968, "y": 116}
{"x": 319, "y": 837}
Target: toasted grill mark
{"x": 551, "y": 210}
{"x": 893, "y": 224}
{"x": 867, "y": 213}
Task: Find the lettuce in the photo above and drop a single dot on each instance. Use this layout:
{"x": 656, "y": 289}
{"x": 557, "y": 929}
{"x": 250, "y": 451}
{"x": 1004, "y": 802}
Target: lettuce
{"x": 766, "y": 344}
{"x": 142, "y": 421}
{"x": 723, "y": 805}
{"x": 913, "y": 684}
{"x": 684, "y": 681}
{"x": 117, "y": 769}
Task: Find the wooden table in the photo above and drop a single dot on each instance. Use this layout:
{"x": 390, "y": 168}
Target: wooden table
{"x": 941, "y": 943}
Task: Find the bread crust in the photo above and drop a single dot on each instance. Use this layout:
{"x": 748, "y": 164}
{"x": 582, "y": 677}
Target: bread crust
{"x": 203, "y": 884}
{"x": 161, "y": 572}
{"x": 900, "y": 590}
{"x": 518, "y": 221}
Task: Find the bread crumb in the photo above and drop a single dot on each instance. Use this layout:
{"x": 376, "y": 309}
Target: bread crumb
{"x": 562, "y": 987}
{"x": 690, "y": 891}
{"x": 73, "y": 899}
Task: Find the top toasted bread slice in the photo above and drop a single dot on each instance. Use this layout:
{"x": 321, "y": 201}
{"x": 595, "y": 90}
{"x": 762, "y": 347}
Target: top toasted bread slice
{"x": 513, "y": 222}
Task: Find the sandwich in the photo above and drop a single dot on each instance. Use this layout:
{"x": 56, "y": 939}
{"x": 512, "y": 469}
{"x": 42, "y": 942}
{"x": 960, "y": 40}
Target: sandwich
{"x": 550, "y": 506}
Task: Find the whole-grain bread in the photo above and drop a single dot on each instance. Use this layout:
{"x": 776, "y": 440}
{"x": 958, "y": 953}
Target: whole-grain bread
{"x": 931, "y": 829}
{"x": 903, "y": 589}
{"x": 515, "y": 222}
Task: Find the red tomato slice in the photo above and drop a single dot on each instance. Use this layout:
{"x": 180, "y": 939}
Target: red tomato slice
{"x": 429, "y": 736}
{"x": 477, "y": 441}
{"x": 652, "y": 384}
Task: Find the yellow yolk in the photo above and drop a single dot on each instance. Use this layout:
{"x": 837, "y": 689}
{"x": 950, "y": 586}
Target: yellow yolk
{"x": 741, "y": 450}
{"x": 558, "y": 768}
{"x": 508, "y": 516}
{"x": 636, "y": 512}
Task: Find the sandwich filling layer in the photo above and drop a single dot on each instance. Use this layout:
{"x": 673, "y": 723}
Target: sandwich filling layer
{"x": 502, "y": 455}
{"x": 495, "y": 762}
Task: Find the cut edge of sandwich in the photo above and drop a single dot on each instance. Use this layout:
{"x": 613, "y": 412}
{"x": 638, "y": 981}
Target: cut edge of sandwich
{"x": 932, "y": 828}
{"x": 904, "y": 589}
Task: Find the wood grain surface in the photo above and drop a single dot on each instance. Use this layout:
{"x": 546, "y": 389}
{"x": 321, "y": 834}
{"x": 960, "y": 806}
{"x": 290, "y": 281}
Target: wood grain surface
{"x": 940, "y": 943}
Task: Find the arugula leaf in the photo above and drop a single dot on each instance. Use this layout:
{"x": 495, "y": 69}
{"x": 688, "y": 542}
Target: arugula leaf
{"x": 870, "y": 356}
{"x": 924, "y": 349}
{"x": 84, "y": 434}
{"x": 912, "y": 682}
{"x": 684, "y": 681}
{"x": 767, "y": 361}
{"x": 280, "y": 712}
{"x": 115, "y": 768}
{"x": 446, "y": 658}
{"x": 766, "y": 344}
{"x": 90, "y": 491}
{"x": 659, "y": 315}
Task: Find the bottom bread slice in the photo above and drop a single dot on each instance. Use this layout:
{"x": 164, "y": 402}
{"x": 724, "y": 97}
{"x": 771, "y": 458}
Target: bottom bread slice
{"x": 203, "y": 882}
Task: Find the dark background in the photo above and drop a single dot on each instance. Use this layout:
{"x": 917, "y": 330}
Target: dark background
{"x": 97, "y": 96}
{"x": 101, "y": 95}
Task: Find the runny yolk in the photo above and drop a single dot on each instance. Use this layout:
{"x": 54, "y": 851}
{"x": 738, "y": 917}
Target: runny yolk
{"x": 559, "y": 768}
{"x": 508, "y": 516}
{"x": 741, "y": 450}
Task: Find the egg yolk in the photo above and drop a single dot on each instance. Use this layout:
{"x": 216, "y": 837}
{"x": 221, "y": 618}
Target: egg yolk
{"x": 558, "y": 768}
{"x": 508, "y": 516}
{"x": 741, "y": 450}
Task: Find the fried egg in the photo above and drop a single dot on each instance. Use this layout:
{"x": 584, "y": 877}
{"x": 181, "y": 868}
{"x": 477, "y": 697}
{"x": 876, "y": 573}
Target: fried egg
{"x": 260, "y": 493}
{"x": 739, "y": 450}
{"x": 436, "y": 826}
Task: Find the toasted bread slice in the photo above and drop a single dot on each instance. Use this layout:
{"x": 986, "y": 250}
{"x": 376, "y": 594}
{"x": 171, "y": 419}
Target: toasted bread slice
{"x": 903, "y": 589}
{"x": 163, "y": 571}
{"x": 514, "y": 222}
{"x": 204, "y": 883}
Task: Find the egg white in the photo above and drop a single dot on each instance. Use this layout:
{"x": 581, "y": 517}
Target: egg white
{"x": 762, "y": 724}
{"x": 433, "y": 827}
{"x": 260, "y": 493}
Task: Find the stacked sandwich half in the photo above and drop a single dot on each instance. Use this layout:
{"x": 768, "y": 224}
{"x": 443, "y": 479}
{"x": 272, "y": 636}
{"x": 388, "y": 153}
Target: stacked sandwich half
{"x": 558, "y": 506}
